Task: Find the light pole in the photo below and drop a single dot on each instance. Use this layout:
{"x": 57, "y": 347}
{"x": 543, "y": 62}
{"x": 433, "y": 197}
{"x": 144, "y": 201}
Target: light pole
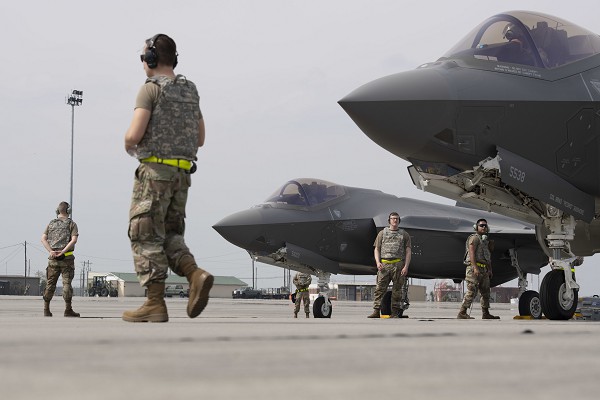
{"x": 74, "y": 99}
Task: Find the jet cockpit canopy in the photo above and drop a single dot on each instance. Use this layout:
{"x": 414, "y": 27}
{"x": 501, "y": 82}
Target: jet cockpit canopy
{"x": 527, "y": 38}
{"x": 306, "y": 192}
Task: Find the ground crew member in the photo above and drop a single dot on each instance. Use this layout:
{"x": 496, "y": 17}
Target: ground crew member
{"x": 59, "y": 239}
{"x": 302, "y": 282}
{"x": 478, "y": 259}
{"x": 392, "y": 255}
{"x": 166, "y": 131}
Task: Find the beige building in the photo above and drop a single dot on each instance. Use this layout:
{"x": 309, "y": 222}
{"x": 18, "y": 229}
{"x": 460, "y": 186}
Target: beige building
{"x": 128, "y": 285}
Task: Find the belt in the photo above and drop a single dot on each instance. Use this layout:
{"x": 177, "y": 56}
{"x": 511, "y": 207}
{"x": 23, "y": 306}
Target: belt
{"x": 482, "y": 265}
{"x": 390, "y": 260}
{"x": 174, "y": 162}
{"x": 302, "y": 290}
{"x": 68, "y": 253}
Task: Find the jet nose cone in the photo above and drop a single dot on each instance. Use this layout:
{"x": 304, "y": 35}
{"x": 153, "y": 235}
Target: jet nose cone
{"x": 241, "y": 229}
{"x": 404, "y": 111}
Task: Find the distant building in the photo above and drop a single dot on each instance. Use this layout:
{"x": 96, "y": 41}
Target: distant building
{"x": 19, "y": 285}
{"x": 128, "y": 285}
{"x": 362, "y": 291}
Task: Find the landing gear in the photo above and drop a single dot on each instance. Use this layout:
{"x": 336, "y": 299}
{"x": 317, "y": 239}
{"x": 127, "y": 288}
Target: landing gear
{"x": 559, "y": 291}
{"x": 322, "y": 307}
{"x": 530, "y": 304}
{"x": 529, "y": 300}
{"x": 558, "y": 302}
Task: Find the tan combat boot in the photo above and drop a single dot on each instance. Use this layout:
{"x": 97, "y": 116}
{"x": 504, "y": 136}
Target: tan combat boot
{"x": 375, "y": 313}
{"x": 153, "y": 310}
{"x": 396, "y": 313}
{"x": 200, "y": 284}
{"x": 47, "y": 312}
{"x": 487, "y": 315}
{"x": 69, "y": 311}
{"x": 463, "y": 314}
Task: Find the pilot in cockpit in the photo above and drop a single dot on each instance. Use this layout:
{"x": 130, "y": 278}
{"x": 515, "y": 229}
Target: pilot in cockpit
{"x": 517, "y": 49}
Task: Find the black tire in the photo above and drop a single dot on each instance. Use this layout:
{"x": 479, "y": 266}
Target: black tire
{"x": 104, "y": 292}
{"x": 320, "y": 309}
{"x": 552, "y": 291}
{"x": 91, "y": 293}
{"x": 386, "y": 303}
{"x": 530, "y": 304}
{"x": 181, "y": 294}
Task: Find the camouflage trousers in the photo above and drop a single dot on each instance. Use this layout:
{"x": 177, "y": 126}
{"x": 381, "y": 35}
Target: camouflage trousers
{"x": 55, "y": 268}
{"x": 479, "y": 283}
{"x": 302, "y": 296}
{"x": 157, "y": 221}
{"x": 391, "y": 272}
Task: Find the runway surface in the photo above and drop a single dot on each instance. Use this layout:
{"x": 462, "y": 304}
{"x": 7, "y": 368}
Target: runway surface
{"x": 254, "y": 349}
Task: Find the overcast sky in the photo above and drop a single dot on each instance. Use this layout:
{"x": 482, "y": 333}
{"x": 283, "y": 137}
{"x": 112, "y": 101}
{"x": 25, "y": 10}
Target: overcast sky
{"x": 269, "y": 74}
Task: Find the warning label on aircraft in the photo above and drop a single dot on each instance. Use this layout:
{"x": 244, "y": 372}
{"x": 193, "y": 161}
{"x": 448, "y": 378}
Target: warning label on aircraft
{"x": 542, "y": 184}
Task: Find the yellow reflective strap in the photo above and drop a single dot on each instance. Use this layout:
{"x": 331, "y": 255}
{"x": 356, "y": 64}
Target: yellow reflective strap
{"x": 395, "y": 260}
{"x": 482, "y": 265}
{"x": 183, "y": 164}
{"x": 68, "y": 253}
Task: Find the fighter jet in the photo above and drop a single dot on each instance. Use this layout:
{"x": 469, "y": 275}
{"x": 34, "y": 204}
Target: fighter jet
{"x": 323, "y": 228}
{"x": 508, "y": 120}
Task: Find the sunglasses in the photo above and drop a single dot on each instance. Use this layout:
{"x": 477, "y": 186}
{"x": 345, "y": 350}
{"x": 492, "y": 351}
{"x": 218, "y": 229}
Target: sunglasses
{"x": 483, "y": 225}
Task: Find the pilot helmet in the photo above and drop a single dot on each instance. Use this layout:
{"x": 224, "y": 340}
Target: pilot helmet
{"x": 512, "y": 32}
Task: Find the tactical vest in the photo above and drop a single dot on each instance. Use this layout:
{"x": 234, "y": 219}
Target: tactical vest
{"x": 392, "y": 244}
{"x": 172, "y": 131}
{"x": 59, "y": 233}
{"x": 482, "y": 250}
{"x": 302, "y": 280}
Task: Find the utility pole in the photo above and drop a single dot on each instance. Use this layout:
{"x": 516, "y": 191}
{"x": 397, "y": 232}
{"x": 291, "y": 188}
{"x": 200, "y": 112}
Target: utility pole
{"x": 74, "y": 99}
{"x": 25, "y": 273}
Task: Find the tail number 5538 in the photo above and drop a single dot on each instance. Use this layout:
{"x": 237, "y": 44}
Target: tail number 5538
{"x": 517, "y": 174}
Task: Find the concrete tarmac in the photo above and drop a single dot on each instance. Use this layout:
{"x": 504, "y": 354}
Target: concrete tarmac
{"x": 254, "y": 349}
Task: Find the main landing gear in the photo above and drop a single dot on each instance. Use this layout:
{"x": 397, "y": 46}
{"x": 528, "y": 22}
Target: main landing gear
{"x": 322, "y": 307}
{"x": 559, "y": 291}
{"x": 529, "y": 300}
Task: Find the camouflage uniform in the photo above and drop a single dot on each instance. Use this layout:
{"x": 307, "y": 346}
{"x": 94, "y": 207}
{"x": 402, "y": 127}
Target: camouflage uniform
{"x": 157, "y": 212}
{"x": 483, "y": 257}
{"x": 392, "y": 245}
{"x": 59, "y": 232}
{"x": 302, "y": 282}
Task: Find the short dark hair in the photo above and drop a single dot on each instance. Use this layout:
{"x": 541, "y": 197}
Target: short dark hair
{"x": 63, "y": 207}
{"x": 166, "y": 50}
{"x": 481, "y": 220}
{"x": 393, "y": 214}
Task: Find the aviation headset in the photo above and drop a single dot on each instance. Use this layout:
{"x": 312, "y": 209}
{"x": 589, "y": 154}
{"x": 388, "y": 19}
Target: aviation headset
{"x": 68, "y": 208}
{"x": 395, "y": 214}
{"x": 151, "y": 54}
{"x": 484, "y": 236}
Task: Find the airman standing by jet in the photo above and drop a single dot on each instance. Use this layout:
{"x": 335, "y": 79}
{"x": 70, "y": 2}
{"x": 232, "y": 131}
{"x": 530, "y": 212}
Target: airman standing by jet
{"x": 165, "y": 133}
{"x": 392, "y": 255}
{"x": 302, "y": 282}
{"x": 478, "y": 259}
{"x": 59, "y": 239}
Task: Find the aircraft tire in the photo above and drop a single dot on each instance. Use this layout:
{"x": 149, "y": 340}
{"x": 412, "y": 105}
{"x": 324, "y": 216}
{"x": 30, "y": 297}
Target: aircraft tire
{"x": 320, "y": 309}
{"x": 552, "y": 291}
{"x": 530, "y": 304}
{"x": 386, "y": 303}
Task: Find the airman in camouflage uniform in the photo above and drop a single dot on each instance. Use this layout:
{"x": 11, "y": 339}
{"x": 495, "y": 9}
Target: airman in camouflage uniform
{"x": 164, "y": 135}
{"x": 392, "y": 254}
{"x": 478, "y": 259}
{"x": 302, "y": 282}
{"x": 59, "y": 239}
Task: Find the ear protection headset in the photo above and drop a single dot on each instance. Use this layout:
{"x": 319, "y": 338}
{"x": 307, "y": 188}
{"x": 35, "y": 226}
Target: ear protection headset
{"x": 68, "y": 209}
{"x": 151, "y": 55}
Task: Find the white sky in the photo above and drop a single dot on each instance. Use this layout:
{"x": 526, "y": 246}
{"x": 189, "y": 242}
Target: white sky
{"x": 269, "y": 72}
